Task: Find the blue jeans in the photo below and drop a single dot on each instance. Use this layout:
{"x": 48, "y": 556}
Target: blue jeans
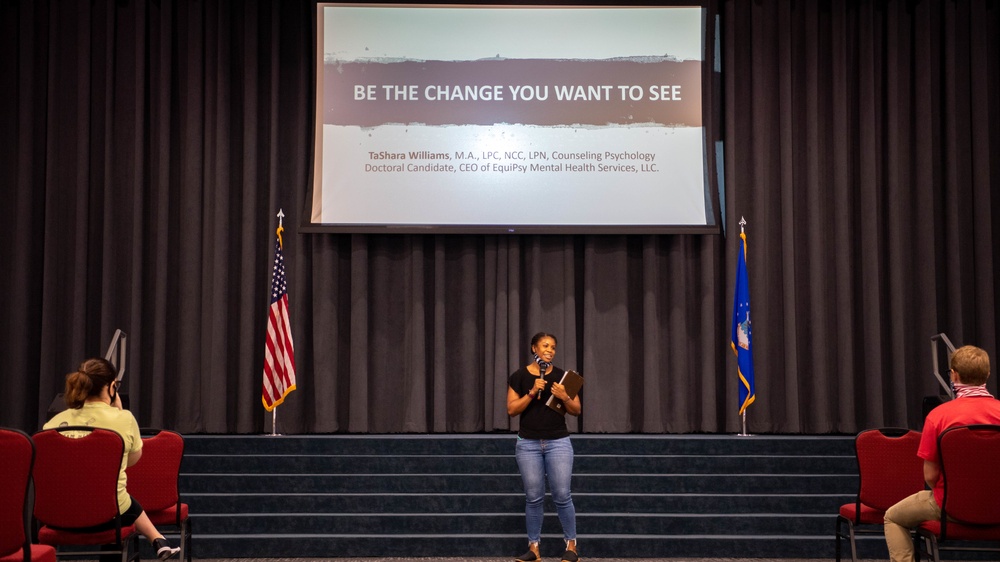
{"x": 538, "y": 459}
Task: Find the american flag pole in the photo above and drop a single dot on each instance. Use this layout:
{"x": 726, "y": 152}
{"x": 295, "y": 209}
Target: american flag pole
{"x": 743, "y": 416}
{"x": 274, "y": 412}
{"x": 747, "y": 378}
{"x": 279, "y": 355}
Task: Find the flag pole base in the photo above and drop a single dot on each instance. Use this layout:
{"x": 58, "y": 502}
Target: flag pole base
{"x": 744, "y": 432}
{"x": 274, "y": 423}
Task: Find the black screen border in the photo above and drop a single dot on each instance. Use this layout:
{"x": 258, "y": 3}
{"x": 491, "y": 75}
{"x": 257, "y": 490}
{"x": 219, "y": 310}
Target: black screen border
{"x": 712, "y": 124}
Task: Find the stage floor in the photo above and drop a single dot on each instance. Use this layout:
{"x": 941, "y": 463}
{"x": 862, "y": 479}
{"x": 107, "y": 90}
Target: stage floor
{"x": 511, "y": 558}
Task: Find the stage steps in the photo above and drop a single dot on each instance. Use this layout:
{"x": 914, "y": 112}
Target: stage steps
{"x": 637, "y": 496}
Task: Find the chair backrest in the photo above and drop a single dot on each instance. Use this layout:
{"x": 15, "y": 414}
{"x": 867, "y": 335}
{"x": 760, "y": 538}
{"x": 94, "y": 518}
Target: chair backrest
{"x": 888, "y": 466}
{"x": 969, "y": 457}
{"x": 17, "y": 454}
{"x": 153, "y": 480}
{"x": 76, "y": 476}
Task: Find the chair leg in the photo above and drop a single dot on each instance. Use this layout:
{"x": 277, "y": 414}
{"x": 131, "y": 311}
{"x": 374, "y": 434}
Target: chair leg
{"x": 128, "y": 546}
{"x": 926, "y": 544}
{"x": 849, "y": 536}
{"x": 185, "y": 540}
{"x": 836, "y": 537}
{"x": 934, "y": 553}
{"x": 854, "y": 545}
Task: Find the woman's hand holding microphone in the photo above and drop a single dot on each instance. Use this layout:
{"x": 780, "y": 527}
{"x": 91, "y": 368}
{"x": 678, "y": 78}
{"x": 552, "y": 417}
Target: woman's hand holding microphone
{"x": 536, "y": 391}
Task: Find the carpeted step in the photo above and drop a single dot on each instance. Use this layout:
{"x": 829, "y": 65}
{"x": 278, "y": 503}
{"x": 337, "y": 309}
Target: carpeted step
{"x": 425, "y": 523}
{"x": 492, "y": 544}
{"x": 461, "y": 495}
{"x": 503, "y": 444}
{"x": 458, "y": 464}
{"x": 513, "y": 502}
{"x": 492, "y": 483}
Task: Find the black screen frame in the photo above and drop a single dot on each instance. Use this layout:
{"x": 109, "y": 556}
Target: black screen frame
{"x": 712, "y": 123}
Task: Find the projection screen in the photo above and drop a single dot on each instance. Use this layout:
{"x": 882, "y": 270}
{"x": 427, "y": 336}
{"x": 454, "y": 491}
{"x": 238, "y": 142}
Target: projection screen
{"x": 475, "y": 118}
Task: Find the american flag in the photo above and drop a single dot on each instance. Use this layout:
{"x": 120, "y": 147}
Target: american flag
{"x": 279, "y": 353}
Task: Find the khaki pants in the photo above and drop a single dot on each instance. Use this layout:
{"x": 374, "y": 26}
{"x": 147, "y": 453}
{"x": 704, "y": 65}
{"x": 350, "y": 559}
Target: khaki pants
{"x": 908, "y": 514}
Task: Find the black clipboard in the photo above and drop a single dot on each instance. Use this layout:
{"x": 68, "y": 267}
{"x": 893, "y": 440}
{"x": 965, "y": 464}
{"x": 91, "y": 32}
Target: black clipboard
{"x": 573, "y": 381}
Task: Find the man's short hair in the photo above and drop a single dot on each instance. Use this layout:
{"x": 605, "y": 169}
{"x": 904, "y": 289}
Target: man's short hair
{"x": 972, "y": 365}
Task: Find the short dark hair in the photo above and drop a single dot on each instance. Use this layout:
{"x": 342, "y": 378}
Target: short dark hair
{"x": 537, "y": 337}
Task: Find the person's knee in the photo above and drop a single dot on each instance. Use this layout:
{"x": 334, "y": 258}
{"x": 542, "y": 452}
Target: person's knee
{"x": 561, "y": 484}
{"x": 888, "y": 518}
{"x": 562, "y": 498}
{"x": 561, "y": 494}
{"x": 534, "y": 495}
{"x": 534, "y": 501}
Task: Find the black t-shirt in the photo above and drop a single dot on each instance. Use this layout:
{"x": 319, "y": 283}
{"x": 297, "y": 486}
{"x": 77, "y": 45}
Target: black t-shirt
{"x": 538, "y": 421}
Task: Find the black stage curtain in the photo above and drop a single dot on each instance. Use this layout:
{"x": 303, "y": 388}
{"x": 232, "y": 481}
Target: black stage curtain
{"x": 148, "y": 145}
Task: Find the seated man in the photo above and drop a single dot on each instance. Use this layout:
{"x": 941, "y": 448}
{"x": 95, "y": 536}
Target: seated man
{"x": 973, "y": 404}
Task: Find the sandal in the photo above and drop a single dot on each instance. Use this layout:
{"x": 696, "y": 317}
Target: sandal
{"x": 570, "y": 555}
{"x": 530, "y": 556}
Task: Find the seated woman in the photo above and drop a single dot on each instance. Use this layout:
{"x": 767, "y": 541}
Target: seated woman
{"x": 93, "y": 400}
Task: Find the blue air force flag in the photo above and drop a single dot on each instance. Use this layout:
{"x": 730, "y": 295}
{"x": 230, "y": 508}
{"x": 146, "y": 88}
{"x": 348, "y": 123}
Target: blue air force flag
{"x": 742, "y": 339}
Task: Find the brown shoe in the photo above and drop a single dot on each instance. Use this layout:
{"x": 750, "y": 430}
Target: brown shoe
{"x": 531, "y": 556}
{"x": 570, "y": 555}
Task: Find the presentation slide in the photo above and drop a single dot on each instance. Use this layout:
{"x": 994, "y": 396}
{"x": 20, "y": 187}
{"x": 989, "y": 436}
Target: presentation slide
{"x": 510, "y": 118}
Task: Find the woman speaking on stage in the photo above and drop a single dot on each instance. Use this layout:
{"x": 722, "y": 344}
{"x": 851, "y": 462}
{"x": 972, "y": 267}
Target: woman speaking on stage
{"x": 543, "y": 449}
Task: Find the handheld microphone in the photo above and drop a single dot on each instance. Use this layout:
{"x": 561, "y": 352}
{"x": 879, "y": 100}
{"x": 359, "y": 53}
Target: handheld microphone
{"x": 542, "y": 367}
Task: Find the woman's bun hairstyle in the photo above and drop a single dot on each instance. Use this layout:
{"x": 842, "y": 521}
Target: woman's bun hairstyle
{"x": 90, "y": 377}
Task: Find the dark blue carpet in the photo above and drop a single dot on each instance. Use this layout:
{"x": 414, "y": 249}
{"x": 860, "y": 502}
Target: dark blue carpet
{"x": 664, "y": 496}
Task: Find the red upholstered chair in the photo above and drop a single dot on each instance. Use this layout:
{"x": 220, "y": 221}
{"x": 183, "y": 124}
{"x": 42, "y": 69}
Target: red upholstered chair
{"x": 888, "y": 471}
{"x": 970, "y": 510}
{"x": 17, "y": 454}
{"x": 76, "y": 486}
{"x": 153, "y": 482}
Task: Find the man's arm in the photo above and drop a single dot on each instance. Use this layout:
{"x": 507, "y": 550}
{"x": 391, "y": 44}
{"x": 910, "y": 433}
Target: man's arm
{"x": 931, "y": 473}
